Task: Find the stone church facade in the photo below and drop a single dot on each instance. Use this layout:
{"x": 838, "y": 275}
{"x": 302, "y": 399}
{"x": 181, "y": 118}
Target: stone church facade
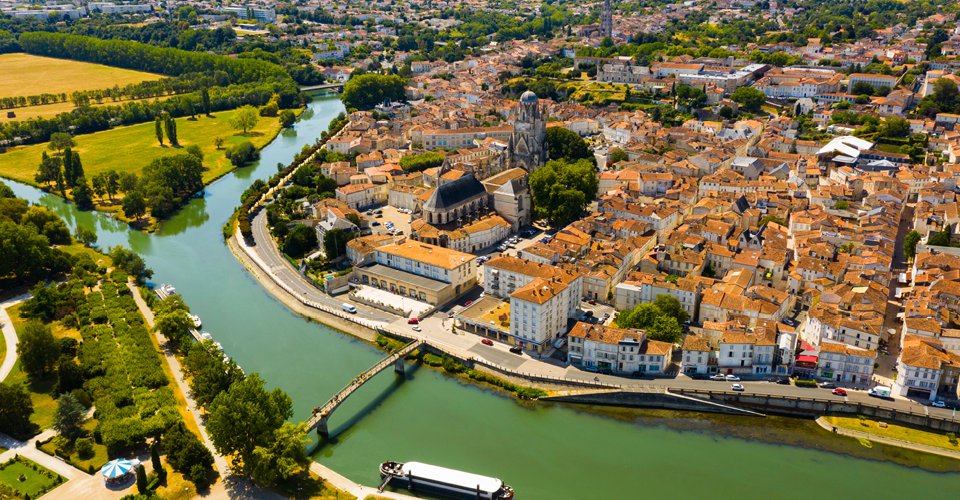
{"x": 527, "y": 148}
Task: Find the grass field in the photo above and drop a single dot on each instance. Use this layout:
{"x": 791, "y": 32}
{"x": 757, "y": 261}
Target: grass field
{"x": 895, "y": 431}
{"x": 51, "y": 110}
{"x": 25, "y": 74}
{"x": 307, "y": 485}
{"x": 129, "y": 149}
{"x": 35, "y": 479}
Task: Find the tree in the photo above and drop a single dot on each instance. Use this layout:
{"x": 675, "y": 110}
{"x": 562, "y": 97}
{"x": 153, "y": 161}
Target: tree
{"x": 861, "y": 99}
{"x": 334, "y": 243}
{"x": 421, "y": 162}
{"x": 355, "y": 219}
{"x": 99, "y": 184}
{"x": 841, "y": 205}
{"x": 134, "y": 205}
{"x": 283, "y": 456}
{"x": 174, "y": 325}
{"x": 86, "y": 236}
{"x": 69, "y": 375}
{"x": 245, "y": 118}
{"x": 618, "y": 155}
{"x": 895, "y": 127}
{"x": 38, "y": 349}
{"x": 300, "y": 239}
{"x": 186, "y": 105}
{"x": 565, "y": 144}
{"x": 944, "y": 91}
{"x": 155, "y": 460}
{"x": 6, "y": 192}
{"x": 749, "y": 98}
{"x": 128, "y": 182}
{"x": 141, "y": 479}
{"x": 670, "y": 306}
{"x": 170, "y": 126}
{"x": 82, "y": 194}
{"x": 368, "y": 90}
{"x": 218, "y": 141}
{"x": 287, "y": 118}
{"x": 198, "y": 475}
{"x": 726, "y": 112}
{"x": 131, "y": 263}
{"x": 205, "y": 100}
{"x": 158, "y": 128}
{"x": 112, "y": 183}
{"x": 210, "y": 370}
{"x": 69, "y": 415}
{"x": 246, "y": 419}
{"x": 49, "y": 170}
{"x": 862, "y": 88}
{"x": 665, "y": 329}
{"x": 243, "y": 153}
{"x": 562, "y": 190}
{"x": 60, "y": 141}
{"x": 660, "y": 325}
{"x": 941, "y": 239}
{"x": 910, "y": 242}
{"x": 15, "y": 410}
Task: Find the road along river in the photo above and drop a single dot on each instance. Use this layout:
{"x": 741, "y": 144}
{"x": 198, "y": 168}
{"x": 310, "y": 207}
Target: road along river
{"x": 543, "y": 451}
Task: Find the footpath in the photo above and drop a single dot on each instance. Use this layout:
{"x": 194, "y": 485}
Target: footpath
{"x": 936, "y": 450}
{"x": 9, "y": 335}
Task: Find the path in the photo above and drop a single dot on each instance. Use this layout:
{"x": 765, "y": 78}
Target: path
{"x": 357, "y": 490}
{"x": 29, "y": 449}
{"x": 936, "y": 450}
{"x": 9, "y": 335}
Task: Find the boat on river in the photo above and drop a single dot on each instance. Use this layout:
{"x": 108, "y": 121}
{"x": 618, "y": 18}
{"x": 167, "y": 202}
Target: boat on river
{"x": 416, "y": 476}
{"x": 196, "y": 321}
{"x": 166, "y": 290}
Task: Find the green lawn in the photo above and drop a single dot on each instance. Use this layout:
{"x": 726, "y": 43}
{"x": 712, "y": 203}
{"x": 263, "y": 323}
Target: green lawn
{"x": 41, "y": 392}
{"x": 35, "y": 481}
{"x": 129, "y": 149}
{"x": 896, "y": 431}
{"x": 307, "y": 485}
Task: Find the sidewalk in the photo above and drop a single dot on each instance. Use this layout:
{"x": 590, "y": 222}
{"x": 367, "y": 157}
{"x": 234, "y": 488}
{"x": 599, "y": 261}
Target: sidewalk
{"x": 889, "y": 441}
{"x": 29, "y": 449}
{"x": 357, "y": 490}
{"x": 9, "y": 335}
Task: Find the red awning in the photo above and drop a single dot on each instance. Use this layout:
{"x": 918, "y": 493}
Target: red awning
{"x": 807, "y": 359}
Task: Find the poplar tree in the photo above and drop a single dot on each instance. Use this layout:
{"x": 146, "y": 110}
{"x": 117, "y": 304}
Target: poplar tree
{"x": 158, "y": 125}
{"x": 171, "y": 129}
{"x": 205, "y": 97}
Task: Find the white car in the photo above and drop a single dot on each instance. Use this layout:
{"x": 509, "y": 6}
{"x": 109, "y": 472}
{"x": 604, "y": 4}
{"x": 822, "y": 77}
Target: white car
{"x": 737, "y": 387}
{"x": 416, "y": 328}
{"x": 718, "y": 376}
{"x": 938, "y": 404}
{"x": 733, "y": 378}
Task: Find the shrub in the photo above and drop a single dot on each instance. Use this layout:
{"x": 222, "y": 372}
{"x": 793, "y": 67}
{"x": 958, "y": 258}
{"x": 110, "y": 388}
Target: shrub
{"x": 805, "y": 383}
{"x": 243, "y": 153}
{"x": 432, "y": 360}
{"x": 453, "y": 366}
{"x": 84, "y": 447}
{"x": 198, "y": 474}
{"x": 529, "y": 393}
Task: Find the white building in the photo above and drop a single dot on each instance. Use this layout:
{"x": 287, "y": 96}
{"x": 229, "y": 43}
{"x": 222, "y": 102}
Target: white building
{"x": 112, "y": 8}
{"x": 539, "y": 312}
{"x": 260, "y": 14}
{"x": 925, "y": 369}
{"x": 845, "y": 363}
{"x": 643, "y": 288}
{"x": 748, "y": 352}
{"x": 621, "y": 351}
{"x": 504, "y": 275}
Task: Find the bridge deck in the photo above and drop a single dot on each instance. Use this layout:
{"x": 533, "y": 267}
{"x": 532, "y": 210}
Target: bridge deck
{"x": 332, "y": 404}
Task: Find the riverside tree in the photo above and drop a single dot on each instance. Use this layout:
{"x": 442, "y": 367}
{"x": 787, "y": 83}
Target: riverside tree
{"x": 82, "y": 194}
{"x": 245, "y": 118}
{"x": 368, "y": 90}
{"x": 248, "y": 425}
{"x": 134, "y": 205}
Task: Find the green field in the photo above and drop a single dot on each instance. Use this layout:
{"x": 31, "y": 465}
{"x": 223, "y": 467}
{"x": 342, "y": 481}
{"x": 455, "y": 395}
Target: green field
{"x": 129, "y": 149}
{"x": 35, "y": 479}
{"x": 51, "y": 110}
{"x": 25, "y": 74}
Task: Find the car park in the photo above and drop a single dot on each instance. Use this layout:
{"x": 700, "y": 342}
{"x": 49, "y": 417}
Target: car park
{"x": 737, "y": 387}
{"x": 486, "y": 342}
{"x": 733, "y": 378}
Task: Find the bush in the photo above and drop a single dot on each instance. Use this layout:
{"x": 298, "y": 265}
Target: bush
{"x": 805, "y": 383}
{"x": 82, "y": 398}
{"x": 530, "y": 393}
{"x": 84, "y": 447}
{"x": 243, "y": 153}
{"x": 198, "y": 474}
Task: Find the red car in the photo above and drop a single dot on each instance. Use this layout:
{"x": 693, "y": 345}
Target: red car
{"x": 486, "y": 341}
{"x": 592, "y": 302}
{"x": 468, "y": 303}
{"x": 413, "y": 321}
{"x": 839, "y": 392}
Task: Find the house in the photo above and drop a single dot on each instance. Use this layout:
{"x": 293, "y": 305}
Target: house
{"x": 699, "y": 356}
{"x": 845, "y": 363}
{"x": 925, "y": 369}
{"x": 429, "y": 273}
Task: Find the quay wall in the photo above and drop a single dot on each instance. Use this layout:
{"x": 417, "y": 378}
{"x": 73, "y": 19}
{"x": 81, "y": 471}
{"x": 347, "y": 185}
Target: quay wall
{"x": 665, "y": 401}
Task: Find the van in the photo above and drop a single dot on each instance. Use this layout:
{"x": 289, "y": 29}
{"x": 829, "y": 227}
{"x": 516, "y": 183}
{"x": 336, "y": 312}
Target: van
{"x": 559, "y": 343}
{"x": 879, "y": 392}
{"x": 350, "y": 308}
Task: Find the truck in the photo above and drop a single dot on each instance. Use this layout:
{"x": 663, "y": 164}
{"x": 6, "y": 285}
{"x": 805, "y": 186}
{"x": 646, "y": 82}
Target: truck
{"x": 879, "y": 392}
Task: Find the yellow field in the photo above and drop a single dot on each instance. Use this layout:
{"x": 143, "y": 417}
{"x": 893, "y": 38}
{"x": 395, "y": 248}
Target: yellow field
{"x": 129, "y": 149}
{"x": 25, "y": 74}
{"x": 51, "y": 110}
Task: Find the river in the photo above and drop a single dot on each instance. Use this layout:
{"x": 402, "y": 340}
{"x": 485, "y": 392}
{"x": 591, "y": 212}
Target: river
{"x": 543, "y": 451}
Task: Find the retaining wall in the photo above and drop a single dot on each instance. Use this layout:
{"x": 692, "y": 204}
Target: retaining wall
{"x": 666, "y": 401}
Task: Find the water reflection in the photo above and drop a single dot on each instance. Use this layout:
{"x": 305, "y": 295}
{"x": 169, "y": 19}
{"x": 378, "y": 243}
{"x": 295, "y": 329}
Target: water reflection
{"x": 194, "y": 214}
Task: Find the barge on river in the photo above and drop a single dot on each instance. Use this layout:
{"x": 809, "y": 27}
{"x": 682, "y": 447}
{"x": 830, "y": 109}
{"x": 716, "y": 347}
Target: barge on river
{"x": 416, "y": 476}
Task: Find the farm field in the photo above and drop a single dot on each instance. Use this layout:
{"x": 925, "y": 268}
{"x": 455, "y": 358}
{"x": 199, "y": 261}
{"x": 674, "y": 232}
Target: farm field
{"x": 129, "y": 149}
{"x": 25, "y": 74}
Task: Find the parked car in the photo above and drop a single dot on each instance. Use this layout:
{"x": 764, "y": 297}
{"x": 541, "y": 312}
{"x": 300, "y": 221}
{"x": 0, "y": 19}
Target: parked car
{"x": 839, "y": 392}
{"x": 733, "y": 378}
{"x": 718, "y": 376}
{"x": 516, "y": 350}
{"x": 828, "y": 385}
{"x": 783, "y": 381}
{"x": 468, "y": 303}
{"x": 413, "y": 321}
{"x": 697, "y": 376}
{"x": 592, "y": 302}
{"x": 486, "y": 342}
{"x": 374, "y": 223}
{"x": 938, "y": 404}
{"x": 589, "y": 314}
{"x": 417, "y": 329}
{"x": 737, "y": 387}
{"x": 789, "y": 322}
{"x": 379, "y": 215}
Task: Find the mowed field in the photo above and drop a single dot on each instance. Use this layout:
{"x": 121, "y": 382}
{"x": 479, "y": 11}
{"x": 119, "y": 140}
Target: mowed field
{"x": 25, "y": 74}
{"x": 129, "y": 149}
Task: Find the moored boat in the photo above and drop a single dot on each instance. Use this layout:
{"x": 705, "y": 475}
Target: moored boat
{"x": 166, "y": 290}
{"x": 417, "y": 476}
{"x": 196, "y": 321}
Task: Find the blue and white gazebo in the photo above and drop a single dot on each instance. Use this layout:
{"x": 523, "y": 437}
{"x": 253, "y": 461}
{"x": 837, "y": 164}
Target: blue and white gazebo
{"x": 118, "y": 472}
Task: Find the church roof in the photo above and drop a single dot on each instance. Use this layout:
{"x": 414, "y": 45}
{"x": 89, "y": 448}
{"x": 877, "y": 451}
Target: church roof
{"x": 453, "y": 193}
{"x": 510, "y": 188}
{"x": 528, "y": 97}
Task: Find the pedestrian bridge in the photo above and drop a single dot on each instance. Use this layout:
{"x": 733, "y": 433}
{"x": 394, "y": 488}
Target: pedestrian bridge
{"x": 322, "y": 413}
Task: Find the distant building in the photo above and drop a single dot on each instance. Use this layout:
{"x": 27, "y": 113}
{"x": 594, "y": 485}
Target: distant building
{"x": 622, "y": 351}
{"x": 606, "y": 19}
{"x": 527, "y": 148}
{"x": 426, "y": 272}
{"x": 252, "y": 13}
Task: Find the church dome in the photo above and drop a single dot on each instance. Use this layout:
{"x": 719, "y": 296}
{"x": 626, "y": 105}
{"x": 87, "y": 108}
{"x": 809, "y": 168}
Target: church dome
{"x": 528, "y": 97}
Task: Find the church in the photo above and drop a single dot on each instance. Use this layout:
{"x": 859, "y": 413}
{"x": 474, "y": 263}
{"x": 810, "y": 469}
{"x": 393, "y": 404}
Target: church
{"x": 527, "y": 148}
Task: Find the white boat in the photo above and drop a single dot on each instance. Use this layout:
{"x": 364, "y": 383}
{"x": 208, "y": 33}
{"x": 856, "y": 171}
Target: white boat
{"x": 166, "y": 290}
{"x": 416, "y": 476}
{"x": 196, "y": 321}
{"x": 206, "y": 336}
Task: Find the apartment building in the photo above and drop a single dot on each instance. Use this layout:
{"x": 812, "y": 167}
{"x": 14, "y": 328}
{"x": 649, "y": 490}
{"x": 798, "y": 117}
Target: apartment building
{"x": 699, "y": 356}
{"x": 925, "y": 369}
{"x": 539, "y": 312}
{"x": 504, "y": 275}
{"x": 845, "y": 363}
{"x": 643, "y": 288}
{"x": 429, "y": 273}
{"x": 617, "y": 350}
{"x": 463, "y": 137}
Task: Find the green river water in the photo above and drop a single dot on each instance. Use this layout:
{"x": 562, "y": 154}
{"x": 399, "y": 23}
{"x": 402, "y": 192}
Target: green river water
{"x": 543, "y": 451}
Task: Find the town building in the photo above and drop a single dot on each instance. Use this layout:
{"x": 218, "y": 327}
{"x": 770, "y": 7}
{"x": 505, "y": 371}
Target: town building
{"x": 616, "y": 350}
{"x": 429, "y": 273}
